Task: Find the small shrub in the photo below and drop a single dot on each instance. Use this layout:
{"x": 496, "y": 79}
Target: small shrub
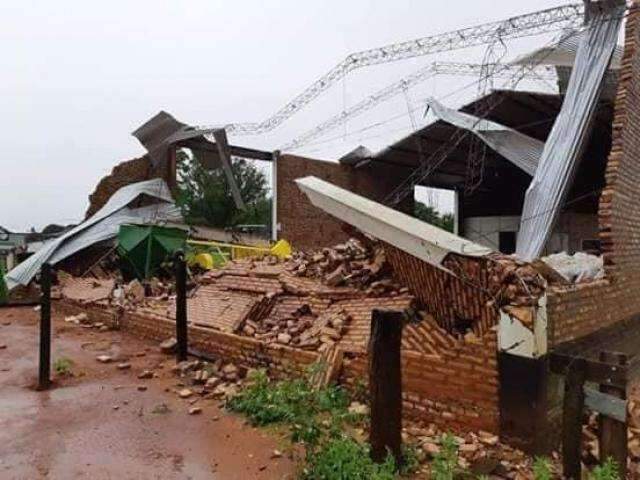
{"x": 410, "y": 460}
{"x": 445, "y": 462}
{"x": 62, "y": 367}
{"x": 343, "y": 458}
{"x": 542, "y": 469}
{"x": 607, "y": 471}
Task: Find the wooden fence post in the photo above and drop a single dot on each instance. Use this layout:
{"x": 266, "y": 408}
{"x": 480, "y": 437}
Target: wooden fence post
{"x": 612, "y": 432}
{"x": 44, "y": 370}
{"x": 385, "y": 385}
{"x": 572, "y": 410}
{"x": 181, "y": 307}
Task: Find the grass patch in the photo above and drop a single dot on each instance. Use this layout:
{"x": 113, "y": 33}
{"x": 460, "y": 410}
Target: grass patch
{"x": 319, "y": 420}
{"x": 607, "y": 471}
{"x": 344, "y": 458}
{"x": 63, "y": 367}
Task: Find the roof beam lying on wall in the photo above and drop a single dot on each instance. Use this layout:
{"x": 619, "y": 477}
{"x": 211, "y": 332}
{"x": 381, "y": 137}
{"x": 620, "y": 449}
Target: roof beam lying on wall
{"x": 417, "y": 238}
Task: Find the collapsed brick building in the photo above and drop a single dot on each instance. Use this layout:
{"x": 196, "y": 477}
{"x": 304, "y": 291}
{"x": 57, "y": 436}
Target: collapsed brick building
{"x": 496, "y": 379}
{"x": 604, "y": 218}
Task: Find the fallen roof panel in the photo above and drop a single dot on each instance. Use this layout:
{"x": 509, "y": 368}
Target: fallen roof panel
{"x": 407, "y": 233}
{"x": 520, "y": 149}
{"x": 571, "y": 131}
{"x": 101, "y": 226}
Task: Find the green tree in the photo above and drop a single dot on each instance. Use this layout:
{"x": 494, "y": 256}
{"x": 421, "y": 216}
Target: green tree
{"x": 205, "y": 197}
{"x": 430, "y": 215}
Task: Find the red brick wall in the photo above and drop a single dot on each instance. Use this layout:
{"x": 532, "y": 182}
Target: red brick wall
{"x": 456, "y": 388}
{"x": 125, "y": 173}
{"x": 449, "y": 298}
{"x": 454, "y": 385}
{"x": 307, "y": 227}
{"x": 580, "y": 310}
{"x": 248, "y": 352}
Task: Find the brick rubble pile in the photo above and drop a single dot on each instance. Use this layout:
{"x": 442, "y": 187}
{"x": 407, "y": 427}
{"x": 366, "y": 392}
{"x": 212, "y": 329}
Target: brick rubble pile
{"x": 352, "y": 263}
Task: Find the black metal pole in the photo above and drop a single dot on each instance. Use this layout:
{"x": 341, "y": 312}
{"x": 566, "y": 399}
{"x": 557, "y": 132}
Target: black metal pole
{"x": 181, "y": 306}
{"x": 44, "y": 380}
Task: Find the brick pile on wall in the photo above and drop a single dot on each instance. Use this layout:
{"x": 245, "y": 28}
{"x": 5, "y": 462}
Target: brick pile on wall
{"x": 582, "y": 309}
{"x": 125, "y": 173}
{"x": 308, "y": 227}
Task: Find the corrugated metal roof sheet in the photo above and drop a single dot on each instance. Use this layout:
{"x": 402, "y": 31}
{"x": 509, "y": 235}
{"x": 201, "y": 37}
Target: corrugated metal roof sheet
{"x": 118, "y": 210}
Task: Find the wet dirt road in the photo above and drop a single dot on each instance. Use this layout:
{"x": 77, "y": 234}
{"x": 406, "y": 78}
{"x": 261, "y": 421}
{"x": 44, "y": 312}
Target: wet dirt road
{"x": 99, "y": 425}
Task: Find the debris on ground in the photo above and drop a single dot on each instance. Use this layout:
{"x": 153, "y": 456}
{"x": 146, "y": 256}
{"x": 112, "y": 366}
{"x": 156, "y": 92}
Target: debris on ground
{"x": 169, "y": 345}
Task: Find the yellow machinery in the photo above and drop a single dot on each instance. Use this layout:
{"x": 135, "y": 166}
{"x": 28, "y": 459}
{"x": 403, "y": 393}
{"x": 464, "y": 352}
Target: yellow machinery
{"x": 218, "y": 253}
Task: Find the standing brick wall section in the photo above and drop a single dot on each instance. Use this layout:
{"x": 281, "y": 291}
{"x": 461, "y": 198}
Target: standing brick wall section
{"x": 125, "y": 173}
{"x": 582, "y": 309}
{"x": 455, "y": 389}
{"x": 308, "y": 227}
{"x": 454, "y": 386}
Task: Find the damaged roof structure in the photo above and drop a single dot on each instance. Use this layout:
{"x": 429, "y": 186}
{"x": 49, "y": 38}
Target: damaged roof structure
{"x": 541, "y": 180}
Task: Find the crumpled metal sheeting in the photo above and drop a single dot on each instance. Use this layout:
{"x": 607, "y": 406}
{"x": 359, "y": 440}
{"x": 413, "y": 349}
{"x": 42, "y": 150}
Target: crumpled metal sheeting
{"x": 564, "y": 146}
{"x": 520, "y": 149}
{"x": 118, "y": 210}
{"x": 563, "y": 51}
{"x": 108, "y": 228}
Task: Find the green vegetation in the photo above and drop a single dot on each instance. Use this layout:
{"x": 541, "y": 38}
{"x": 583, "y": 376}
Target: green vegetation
{"x": 430, "y": 215}
{"x": 295, "y": 403}
{"x": 344, "y": 458}
{"x": 62, "y": 367}
{"x": 320, "y": 420}
{"x": 542, "y": 469}
{"x": 445, "y": 462}
{"x": 607, "y": 471}
{"x": 205, "y": 197}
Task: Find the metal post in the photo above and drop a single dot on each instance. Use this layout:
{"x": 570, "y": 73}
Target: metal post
{"x": 181, "y": 306}
{"x": 44, "y": 380}
{"x": 274, "y": 195}
{"x": 385, "y": 385}
{"x": 572, "y": 409}
{"x": 612, "y": 432}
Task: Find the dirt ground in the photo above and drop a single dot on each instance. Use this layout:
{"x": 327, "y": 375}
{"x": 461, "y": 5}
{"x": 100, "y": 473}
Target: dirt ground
{"x": 98, "y": 424}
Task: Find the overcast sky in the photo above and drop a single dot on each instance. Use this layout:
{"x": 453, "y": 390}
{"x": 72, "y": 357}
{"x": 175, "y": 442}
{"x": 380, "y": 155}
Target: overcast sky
{"x": 77, "y": 77}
